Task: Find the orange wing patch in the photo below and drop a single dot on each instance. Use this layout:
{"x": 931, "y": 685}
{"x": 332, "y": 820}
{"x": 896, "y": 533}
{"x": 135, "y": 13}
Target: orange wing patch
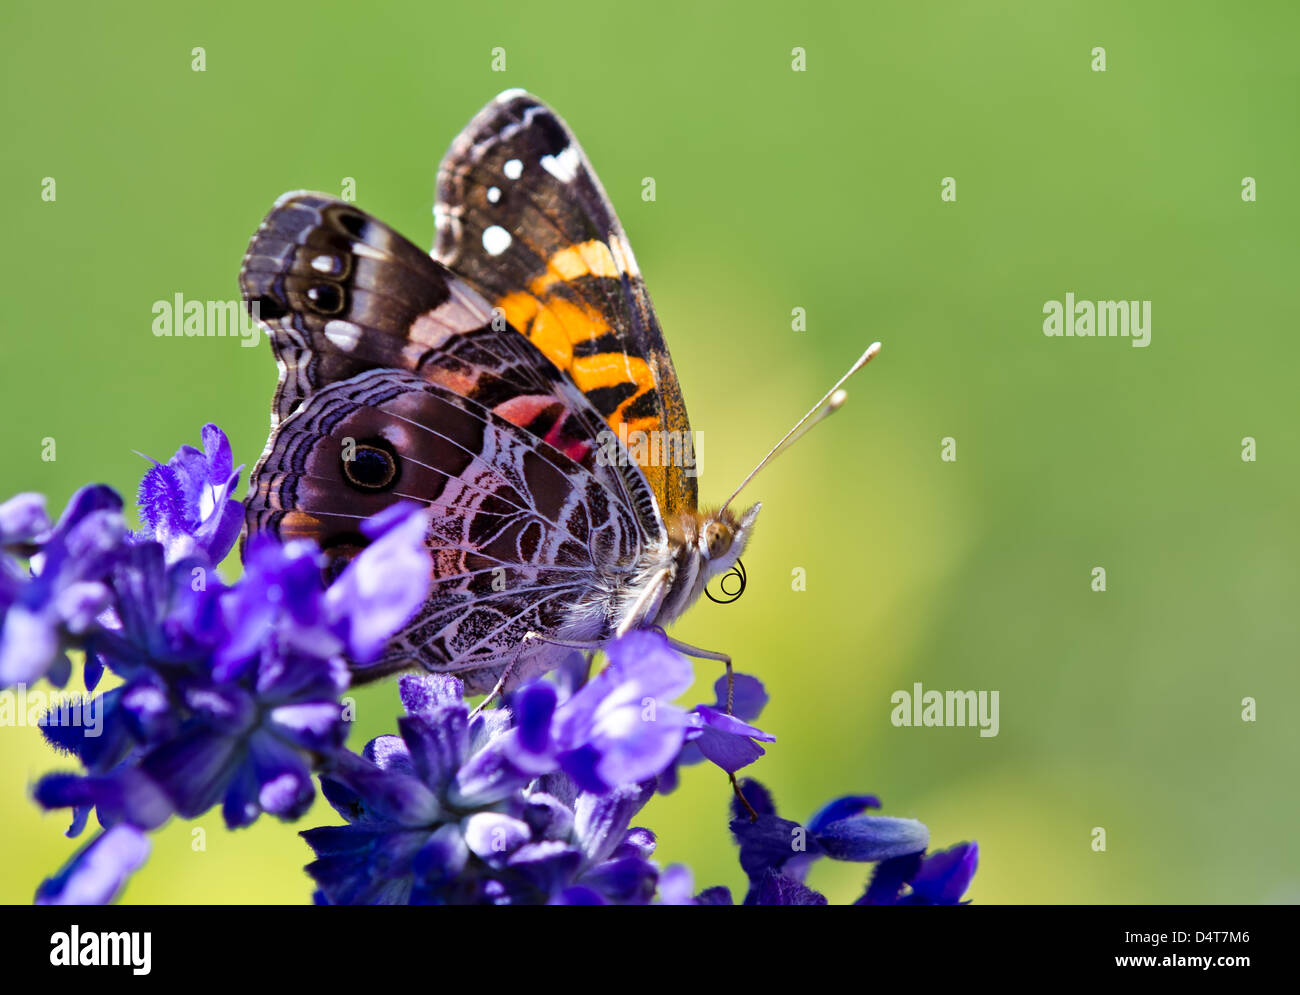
{"x": 555, "y": 323}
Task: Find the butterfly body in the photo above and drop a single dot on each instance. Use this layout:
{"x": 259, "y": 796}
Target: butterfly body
{"x": 497, "y": 381}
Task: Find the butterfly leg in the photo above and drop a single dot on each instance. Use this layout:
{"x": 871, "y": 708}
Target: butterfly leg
{"x": 590, "y": 647}
{"x": 702, "y": 654}
{"x": 532, "y": 636}
{"x": 498, "y": 689}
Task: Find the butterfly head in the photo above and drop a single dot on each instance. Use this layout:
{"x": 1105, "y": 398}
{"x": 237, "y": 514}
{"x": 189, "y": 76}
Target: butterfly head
{"x": 721, "y": 538}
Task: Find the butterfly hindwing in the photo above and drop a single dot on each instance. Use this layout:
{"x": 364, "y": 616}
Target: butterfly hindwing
{"x": 521, "y": 535}
{"x": 522, "y": 217}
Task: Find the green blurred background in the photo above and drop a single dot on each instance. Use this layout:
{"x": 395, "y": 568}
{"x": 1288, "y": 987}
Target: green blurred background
{"x": 779, "y": 189}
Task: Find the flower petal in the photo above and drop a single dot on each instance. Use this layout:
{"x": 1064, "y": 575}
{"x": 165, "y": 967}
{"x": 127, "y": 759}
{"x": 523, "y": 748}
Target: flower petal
{"x": 776, "y": 889}
{"x": 945, "y": 876}
{"x": 873, "y": 837}
{"x": 99, "y": 871}
{"x": 841, "y": 808}
{"x": 493, "y": 836}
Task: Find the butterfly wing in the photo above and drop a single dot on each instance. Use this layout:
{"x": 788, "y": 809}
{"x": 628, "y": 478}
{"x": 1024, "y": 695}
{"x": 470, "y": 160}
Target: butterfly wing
{"x": 398, "y": 381}
{"x": 522, "y": 217}
{"x": 523, "y": 537}
{"x": 339, "y": 292}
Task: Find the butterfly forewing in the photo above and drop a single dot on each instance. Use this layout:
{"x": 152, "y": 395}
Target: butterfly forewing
{"x": 522, "y": 217}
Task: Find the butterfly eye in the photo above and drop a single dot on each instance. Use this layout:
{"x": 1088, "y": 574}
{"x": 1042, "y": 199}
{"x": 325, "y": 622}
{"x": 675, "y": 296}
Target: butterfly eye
{"x": 373, "y": 466}
{"x": 718, "y": 538}
{"x": 325, "y": 298}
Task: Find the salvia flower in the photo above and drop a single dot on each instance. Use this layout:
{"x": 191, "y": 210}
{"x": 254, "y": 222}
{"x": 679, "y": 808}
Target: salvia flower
{"x": 776, "y": 853}
{"x": 228, "y": 695}
{"x": 443, "y": 814}
{"x": 187, "y": 504}
{"x": 620, "y": 728}
{"x": 241, "y": 717}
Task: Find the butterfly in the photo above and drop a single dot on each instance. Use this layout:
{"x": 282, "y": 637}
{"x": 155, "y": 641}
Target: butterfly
{"x": 507, "y": 381}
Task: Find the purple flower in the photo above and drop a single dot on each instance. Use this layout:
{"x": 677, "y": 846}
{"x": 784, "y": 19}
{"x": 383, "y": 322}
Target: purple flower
{"x": 251, "y": 745}
{"x": 232, "y": 693}
{"x": 724, "y": 738}
{"x": 165, "y": 615}
{"x": 430, "y": 822}
{"x": 283, "y": 593}
{"x": 98, "y": 871}
{"x": 379, "y": 590}
{"x": 45, "y": 614}
{"x": 939, "y": 878}
{"x": 677, "y": 886}
{"x": 186, "y": 502}
{"x": 620, "y": 728}
{"x": 776, "y": 853}
{"x": 229, "y": 695}
{"x": 277, "y": 609}
{"x": 22, "y": 519}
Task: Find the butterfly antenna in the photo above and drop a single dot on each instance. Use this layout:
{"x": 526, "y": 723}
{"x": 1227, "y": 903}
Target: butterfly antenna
{"x": 831, "y": 402}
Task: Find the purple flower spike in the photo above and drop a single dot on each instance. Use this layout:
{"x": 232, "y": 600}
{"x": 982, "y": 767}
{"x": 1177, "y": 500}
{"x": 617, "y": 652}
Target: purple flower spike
{"x": 442, "y": 815}
{"x": 228, "y": 695}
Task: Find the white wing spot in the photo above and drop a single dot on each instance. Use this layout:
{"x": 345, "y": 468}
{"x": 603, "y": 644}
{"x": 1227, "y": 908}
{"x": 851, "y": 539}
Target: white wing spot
{"x": 496, "y": 240}
{"x": 493, "y": 194}
{"x": 343, "y": 334}
{"x": 564, "y": 167}
{"x": 514, "y": 168}
{"x": 325, "y": 264}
